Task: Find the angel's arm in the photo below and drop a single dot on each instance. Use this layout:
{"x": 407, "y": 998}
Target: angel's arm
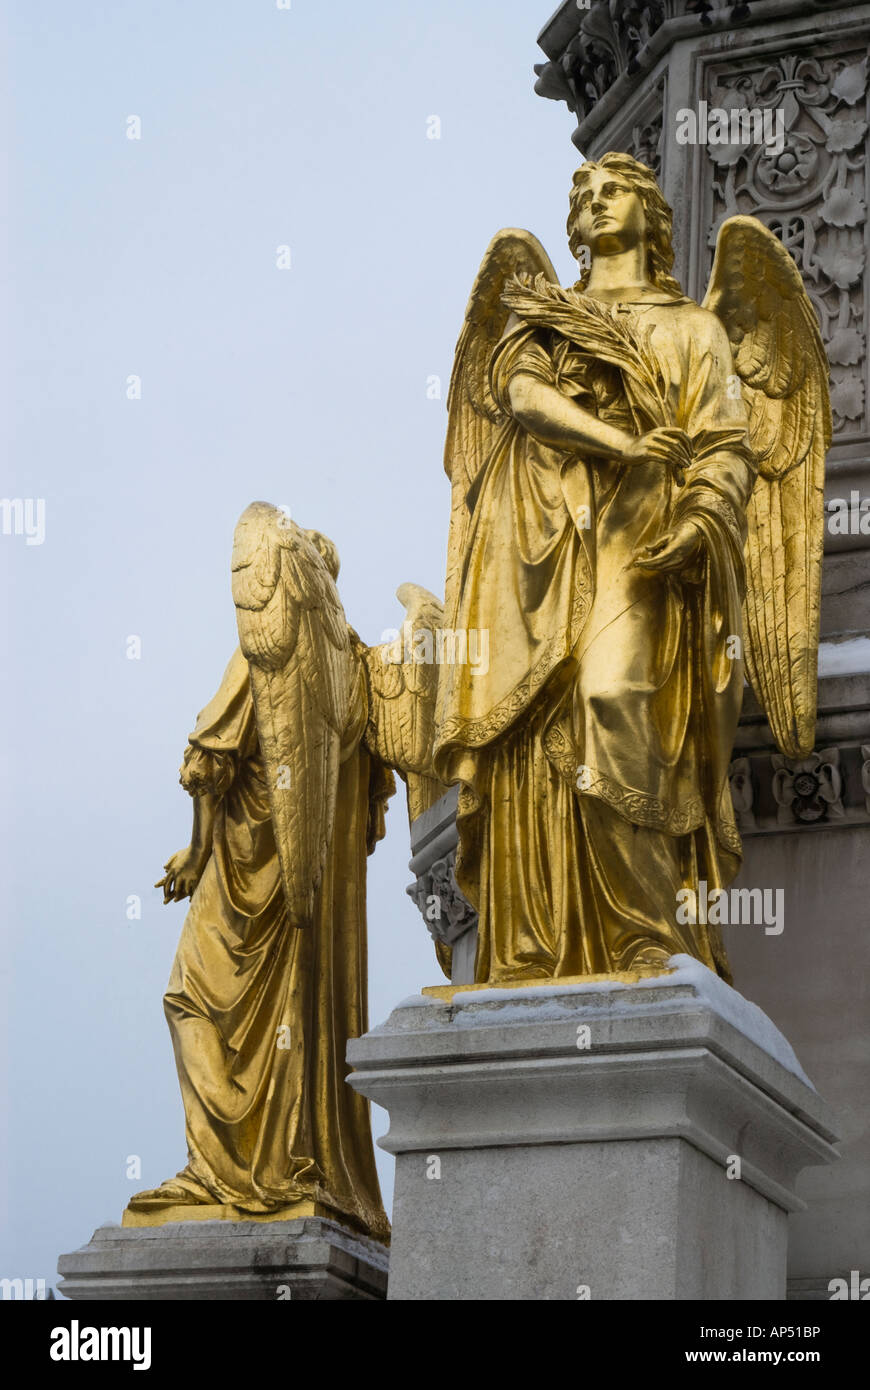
{"x": 185, "y": 869}
{"x": 555, "y": 419}
{"x": 203, "y": 827}
{"x": 722, "y": 473}
{"x": 207, "y": 773}
{"x": 711, "y": 508}
{"x": 524, "y": 385}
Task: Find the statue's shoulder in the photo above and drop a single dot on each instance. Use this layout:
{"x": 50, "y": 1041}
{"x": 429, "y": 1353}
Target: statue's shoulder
{"x": 692, "y": 309}
{"x": 681, "y": 303}
{"x": 702, "y": 324}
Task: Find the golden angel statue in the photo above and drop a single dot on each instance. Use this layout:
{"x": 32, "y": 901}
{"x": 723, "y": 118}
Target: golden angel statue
{"x": 289, "y": 767}
{"x": 637, "y": 507}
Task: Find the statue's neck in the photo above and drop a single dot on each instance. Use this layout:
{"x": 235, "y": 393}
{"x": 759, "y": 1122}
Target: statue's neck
{"x": 621, "y": 275}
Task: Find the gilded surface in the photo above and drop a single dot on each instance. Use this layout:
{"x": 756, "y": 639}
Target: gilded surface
{"x": 290, "y": 770}
{"x": 636, "y": 494}
{"x": 631, "y": 474}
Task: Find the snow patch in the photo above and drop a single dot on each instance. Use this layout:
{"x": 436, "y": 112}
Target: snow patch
{"x": 747, "y": 1018}
{"x": 849, "y": 658}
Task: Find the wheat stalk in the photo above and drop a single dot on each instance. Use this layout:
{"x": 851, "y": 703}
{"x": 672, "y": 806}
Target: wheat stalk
{"x": 597, "y": 335}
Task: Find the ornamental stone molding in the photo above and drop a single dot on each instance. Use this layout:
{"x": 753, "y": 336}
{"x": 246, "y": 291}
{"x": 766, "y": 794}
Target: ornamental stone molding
{"x": 865, "y": 773}
{"x": 446, "y": 912}
{"x": 826, "y": 791}
{"x": 595, "y": 49}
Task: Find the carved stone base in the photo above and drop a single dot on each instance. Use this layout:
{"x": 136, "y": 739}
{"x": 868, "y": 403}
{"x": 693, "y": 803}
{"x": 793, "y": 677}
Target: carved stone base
{"x": 301, "y": 1259}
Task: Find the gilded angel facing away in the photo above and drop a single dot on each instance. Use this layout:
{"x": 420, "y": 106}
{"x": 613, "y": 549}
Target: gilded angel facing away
{"x": 637, "y": 509}
{"x": 289, "y": 768}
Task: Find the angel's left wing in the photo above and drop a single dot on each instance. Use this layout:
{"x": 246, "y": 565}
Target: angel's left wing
{"x": 402, "y": 680}
{"x": 294, "y": 633}
{"x": 757, "y": 291}
{"x": 473, "y": 417}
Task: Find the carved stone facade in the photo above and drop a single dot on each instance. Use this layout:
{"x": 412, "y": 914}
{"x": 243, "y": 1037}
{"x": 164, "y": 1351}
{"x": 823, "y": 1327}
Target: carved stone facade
{"x": 647, "y": 132}
{"x": 812, "y": 192}
{"x": 625, "y": 69}
{"x": 596, "y": 49}
{"x": 610, "y": 44}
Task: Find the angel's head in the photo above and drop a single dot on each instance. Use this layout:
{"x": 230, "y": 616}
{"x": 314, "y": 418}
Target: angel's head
{"x": 616, "y": 200}
{"x": 326, "y": 550}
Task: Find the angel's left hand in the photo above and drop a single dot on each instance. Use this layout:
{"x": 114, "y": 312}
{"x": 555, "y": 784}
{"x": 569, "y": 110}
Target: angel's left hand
{"x": 675, "y": 550}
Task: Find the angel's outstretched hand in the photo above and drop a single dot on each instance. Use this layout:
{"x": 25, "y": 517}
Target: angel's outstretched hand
{"x": 675, "y": 551}
{"x": 183, "y": 872}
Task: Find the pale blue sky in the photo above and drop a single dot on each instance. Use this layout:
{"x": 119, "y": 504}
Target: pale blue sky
{"x": 306, "y": 387}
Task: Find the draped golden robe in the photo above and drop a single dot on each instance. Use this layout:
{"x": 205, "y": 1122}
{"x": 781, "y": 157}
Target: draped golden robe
{"x": 259, "y": 1012}
{"x": 592, "y": 755}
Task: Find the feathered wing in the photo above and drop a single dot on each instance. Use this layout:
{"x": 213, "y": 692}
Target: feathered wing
{"x": 402, "y": 679}
{"x": 472, "y": 415}
{"x": 757, "y": 291}
{"x": 294, "y": 634}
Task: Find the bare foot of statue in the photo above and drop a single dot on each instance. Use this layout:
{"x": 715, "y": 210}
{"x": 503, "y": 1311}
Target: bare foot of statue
{"x": 182, "y": 1190}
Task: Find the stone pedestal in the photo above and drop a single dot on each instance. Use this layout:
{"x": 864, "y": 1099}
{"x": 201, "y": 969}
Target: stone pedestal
{"x": 305, "y": 1259}
{"x": 594, "y": 1140}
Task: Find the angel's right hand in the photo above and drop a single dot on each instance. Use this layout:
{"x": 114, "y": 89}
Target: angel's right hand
{"x": 183, "y": 872}
{"x": 671, "y": 447}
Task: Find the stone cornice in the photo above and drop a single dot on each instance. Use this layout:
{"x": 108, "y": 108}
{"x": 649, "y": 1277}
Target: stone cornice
{"x": 595, "y": 55}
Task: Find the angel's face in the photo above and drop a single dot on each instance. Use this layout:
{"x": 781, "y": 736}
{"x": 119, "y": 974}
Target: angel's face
{"x": 610, "y": 215}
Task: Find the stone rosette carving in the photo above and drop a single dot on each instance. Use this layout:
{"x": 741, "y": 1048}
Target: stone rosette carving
{"x": 446, "y": 911}
{"x": 808, "y": 789}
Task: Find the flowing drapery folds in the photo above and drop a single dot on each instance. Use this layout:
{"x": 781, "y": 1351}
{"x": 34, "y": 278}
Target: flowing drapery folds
{"x": 592, "y": 755}
{"x": 290, "y": 767}
{"x": 259, "y": 1011}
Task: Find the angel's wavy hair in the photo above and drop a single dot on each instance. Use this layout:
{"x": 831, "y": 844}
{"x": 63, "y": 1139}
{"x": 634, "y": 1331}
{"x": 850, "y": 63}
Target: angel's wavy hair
{"x": 659, "y": 218}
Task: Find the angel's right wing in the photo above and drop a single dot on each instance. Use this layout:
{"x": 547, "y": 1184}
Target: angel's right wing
{"x": 294, "y": 634}
{"x": 473, "y": 417}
